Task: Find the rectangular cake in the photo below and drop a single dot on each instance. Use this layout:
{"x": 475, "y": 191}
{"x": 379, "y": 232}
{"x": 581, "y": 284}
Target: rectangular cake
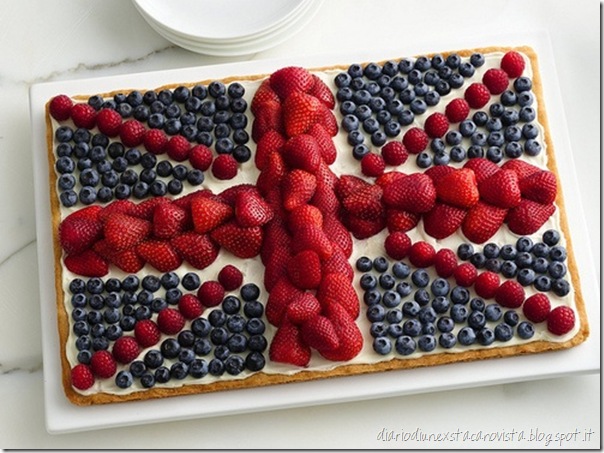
{"x": 306, "y": 224}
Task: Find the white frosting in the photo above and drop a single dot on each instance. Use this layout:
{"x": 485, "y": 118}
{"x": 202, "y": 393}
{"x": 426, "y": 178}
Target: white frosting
{"x": 253, "y": 269}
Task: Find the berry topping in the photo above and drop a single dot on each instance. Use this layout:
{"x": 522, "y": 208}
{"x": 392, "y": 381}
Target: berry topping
{"x": 230, "y": 277}
{"x": 537, "y": 308}
{"x": 561, "y": 320}
{"x": 477, "y": 95}
{"x": 125, "y": 349}
{"x": 82, "y": 377}
{"x": 496, "y": 80}
{"x": 513, "y": 64}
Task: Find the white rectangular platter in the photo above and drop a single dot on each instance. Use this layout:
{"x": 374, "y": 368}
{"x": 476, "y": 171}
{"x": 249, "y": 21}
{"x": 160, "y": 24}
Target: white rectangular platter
{"x": 62, "y": 416}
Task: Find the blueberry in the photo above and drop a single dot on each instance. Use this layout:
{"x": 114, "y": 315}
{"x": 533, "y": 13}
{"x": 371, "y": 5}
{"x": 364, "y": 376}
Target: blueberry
{"x": 123, "y": 379}
{"x": 368, "y": 282}
{"x": 478, "y": 259}
{"x": 359, "y": 151}
{"x": 522, "y": 84}
{"x": 560, "y": 287}
{"x": 162, "y": 375}
{"x": 493, "y": 312}
{"x": 465, "y": 251}
{"x": 382, "y": 345}
{"x": 466, "y": 69}
{"x": 509, "y": 117}
{"x": 355, "y": 138}
{"x": 428, "y": 329}
{"x": 508, "y": 252}
{"x": 158, "y": 304}
{"x": 122, "y": 191}
{"x": 378, "y": 138}
{"x": 442, "y": 87}
{"x": 81, "y": 327}
{"x": 447, "y": 340}
{"x": 170, "y": 348}
{"x": 457, "y": 153}
{"x": 445, "y": 324}
{"x": 406, "y": 117}
{"x": 420, "y": 278}
{"x": 485, "y": 336}
{"x": 510, "y": 317}
{"x": 404, "y": 289}
{"x": 525, "y": 330}
{"x": 63, "y": 134}
{"x": 410, "y": 308}
{"x": 412, "y": 327}
{"x": 386, "y": 281}
{"x": 153, "y": 358}
{"x": 432, "y": 97}
{"x": 557, "y": 253}
{"x": 391, "y": 129}
{"x": 110, "y": 179}
{"x": 394, "y": 316}
{"x": 543, "y": 283}
{"x": 137, "y": 368}
{"x": 253, "y": 309}
{"x": 398, "y": 83}
{"x": 376, "y": 313}
{"x": 202, "y": 347}
{"x": 508, "y": 98}
{"x": 526, "y": 276}
{"x": 234, "y": 365}
{"x": 255, "y": 361}
{"x": 391, "y": 299}
{"x": 186, "y": 338}
{"x": 532, "y": 147}
{"x": 456, "y": 80}
{"x": 249, "y": 292}
{"x": 140, "y": 190}
{"x": 477, "y": 320}
{"x": 441, "y": 158}
{"x": 342, "y": 80}
{"x": 400, "y": 270}
{"x": 460, "y": 295}
{"x": 466, "y": 336}
{"x": 83, "y": 342}
{"x": 503, "y": 332}
{"x": 540, "y": 265}
{"x": 179, "y": 370}
{"x": 525, "y": 99}
{"x": 493, "y": 265}
{"x": 424, "y": 160}
{"x": 422, "y": 297}
{"x": 426, "y": 315}
{"x": 407, "y": 96}
{"x": 527, "y": 114}
{"x": 418, "y": 106}
{"x": 255, "y": 326}
{"x": 394, "y": 107}
{"x": 427, "y": 343}
{"x": 65, "y": 165}
{"x": 509, "y": 269}
{"x": 467, "y": 128}
{"x": 524, "y": 244}
{"x": 459, "y": 313}
{"x": 257, "y": 343}
{"x": 237, "y": 343}
{"x": 441, "y": 304}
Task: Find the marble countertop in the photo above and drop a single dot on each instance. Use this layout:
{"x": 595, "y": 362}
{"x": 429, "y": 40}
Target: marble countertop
{"x": 73, "y": 39}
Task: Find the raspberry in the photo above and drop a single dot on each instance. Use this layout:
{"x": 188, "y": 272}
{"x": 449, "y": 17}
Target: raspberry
{"x": 465, "y": 274}
{"x": 486, "y": 284}
{"x": 457, "y": 110}
{"x": 132, "y": 133}
{"x": 224, "y": 167}
{"x": 477, "y": 95}
{"x": 372, "y": 165}
{"x": 496, "y": 80}
{"x": 397, "y": 245}
{"x": 155, "y": 141}
{"x": 103, "y": 364}
{"x": 170, "y": 321}
{"x": 537, "y": 308}
{"x": 146, "y": 333}
{"x": 436, "y": 125}
{"x": 230, "y": 277}
{"x": 200, "y": 157}
{"x": 394, "y": 153}
{"x": 210, "y": 293}
{"x": 510, "y": 294}
{"x": 60, "y": 107}
{"x": 422, "y": 254}
{"x": 415, "y": 140}
{"x": 125, "y": 349}
{"x": 82, "y": 377}
{"x": 561, "y": 320}
{"x": 178, "y": 148}
{"x": 109, "y": 122}
{"x": 445, "y": 263}
{"x": 190, "y": 306}
{"x": 513, "y": 64}
{"x": 83, "y": 115}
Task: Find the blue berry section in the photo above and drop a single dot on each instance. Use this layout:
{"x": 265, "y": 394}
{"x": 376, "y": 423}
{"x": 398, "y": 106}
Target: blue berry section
{"x": 411, "y": 312}
{"x": 227, "y": 339}
{"x": 93, "y": 168}
{"x": 540, "y": 264}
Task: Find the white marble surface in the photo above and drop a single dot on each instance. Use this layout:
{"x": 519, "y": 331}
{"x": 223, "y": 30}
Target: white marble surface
{"x": 72, "y": 39}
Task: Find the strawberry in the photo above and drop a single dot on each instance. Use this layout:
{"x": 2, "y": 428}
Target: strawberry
{"x": 123, "y": 231}
{"x": 415, "y": 140}
{"x": 322, "y": 92}
{"x": 103, "y": 364}
{"x": 91, "y": 213}
{"x": 60, "y": 107}
{"x": 337, "y": 288}
{"x": 482, "y": 168}
{"x": 108, "y": 122}
{"x": 251, "y": 210}
{"x": 210, "y": 293}
{"x": 87, "y": 264}
{"x": 200, "y": 157}
{"x": 142, "y": 210}
{"x": 486, "y": 284}
{"x": 272, "y": 141}
{"x": 363, "y": 229}
{"x": 190, "y": 306}
{"x": 482, "y": 221}
{"x": 437, "y": 172}
{"x": 208, "y": 213}
{"x": 120, "y": 206}
{"x": 496, "y": 80}
{"x": 501, "y": 189}
{"x": 397, "y": 245}
{"x": 304, "y": 215}
{"x": 224, "y": 167}
{"x": 395, "y": 153}
{"x": 436, "y": 125}
{"x": 273, "y": 173}
{"x": 287, "y": 346}
{"x": 465, "y": 274}
{"x": 458, "y": 188}
{"x": 457, "y": 110}
{"x": 529, "y": 216}
{"x": 319, "y": 333}
{"x": 311, "y": 237}
{"x": 443, "y": 220}
{"x": 127, "y": 260}
{"x": 83, "y": 115}
{"x": 328, "y": 120}
{"x": 230, "y": 194}
{"x": 349, "y": 184}
{"x": 125, "y": 349}
{"x": 415, "y": 193}
{"x": 398, "y": 220}
{"x": 178, "y": 148}
{"x": 289, "y": 80}
{"x": 243, "y": 242}
{"x": 168, "y": 220}
{"x": 561, "y": 320}
{"x": 82, "y": 377}
{"x": 445, "y": 263}
{"x": 159, "y": 254}
{"x": 325, "y": 200}
{"x": 304, "y": 270}
{"x": 230, "y": 277}
{"x": 196, "y": 249}
{"x": 279, "y": 299}
{"x": 365, "y": 203}
{"x": 537, "y": 308}
{"x": 510, "y": 294}
{"x": 147, "y": 333}
{"x": 303, "y": 152}
{"x": 155, "y": 141}
{"x": 326, "y": 144}
{"x": 373, "y": 165}
{"x": 338, "y": 263}
{"x": 338, "y": 234}
{"x": 77, "y": 234}
{"x": 264, "y": 94}
{"x": 268, "y": 118}
{"x": 302, "y": 308}
{"x": 477, "y": 95}
{"x": 513, "y": 64}
{"x": 422, "y": 254}
{"x": 170, "y": 321}
{"x": 521, "y": 168}
{"x": 300, "y": 112}
{"x": 351, "y": 339}
{"x": 298, "y": 187}
{"x": 540, "y": 186}
{"x": 389, "y": 177}
{"x": 132, "y": 133}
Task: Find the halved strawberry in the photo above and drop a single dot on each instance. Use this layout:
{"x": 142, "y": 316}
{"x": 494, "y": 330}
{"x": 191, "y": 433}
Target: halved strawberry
{"x": 303, "y": 308}
{"x": 363, "y": 229}
{"x": 145, "y": 209}
{"x": 348, "y": 184}
{"x": 252, "y": 210}
{"x": 119, "y": 206}
{"x": 268, "y": 118}
{"x": 303, "y": 152}
{"x": 288, "y": 347}
{"x": 443, "y": 220}
{"x": 159, "y": 254}
{"x": 300, "y": 111}
{"x": 351, "y": 339}
{"x": 263, "y": 94}
{"x": 298, "y": 187}
{"x": 482, "y": 221}
{"x": 87, "y": 264}
{"x": 271, "y": 142}
{"x": 326, "y": 144}
{"x": 304, "y": 215}
{"x": 522, "y": 168}
{"x": 77, "y": 234}
{"x": 196, "y": 249}
{"x": 458, "y": 188}
{"x": 169, "y": 220}
{"x": 304, "y": 270}
{"x": 482, "y": 168}
{"x": 281, "y": 295}
{"x": 338, "y": 263}
{"x": 272, "y": 174}
{"x": 243, "y": 242}
{"x": 319, "y": 333}
{"x": 540, "y": 186}
{"x": 365, "y": 203}
{"x": 399, "y": 220}
{"x": 311, "y": 237}
{"x": 415, "y": 193}
{"x": 322, "y": 92}
{"x": 338, "y": 234}
{"x": 123, "y": 231}
{"x": 209, "y": 213}
{"x": 289, "y": 80}
{"x": 529, "y": 216}
{"x": 501, "y": 189}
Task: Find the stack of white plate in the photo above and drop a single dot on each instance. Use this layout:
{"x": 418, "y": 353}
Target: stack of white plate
{"x": 227, "y": 27}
